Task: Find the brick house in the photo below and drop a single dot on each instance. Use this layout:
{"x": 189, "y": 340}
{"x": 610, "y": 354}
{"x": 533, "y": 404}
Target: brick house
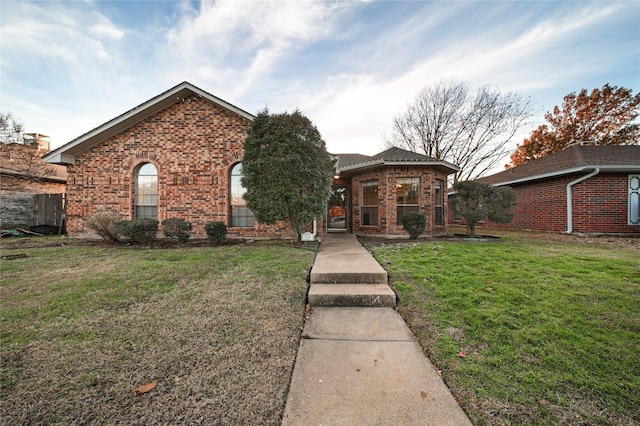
{"x": 25, "y": 179}
{"x": 180, "y": 155}
{"x": 583, "y": 189}
{"x": 373, "y": 193}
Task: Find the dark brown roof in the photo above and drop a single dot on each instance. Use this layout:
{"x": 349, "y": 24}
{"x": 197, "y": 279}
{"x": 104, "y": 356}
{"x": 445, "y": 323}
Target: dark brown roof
{"x": 391, "y": 156}
{"x": 575, "y": 159}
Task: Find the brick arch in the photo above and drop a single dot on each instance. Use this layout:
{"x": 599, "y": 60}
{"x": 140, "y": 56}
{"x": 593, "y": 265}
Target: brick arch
{"x": 144, "y": 157}
{"x": 230, "y": 160}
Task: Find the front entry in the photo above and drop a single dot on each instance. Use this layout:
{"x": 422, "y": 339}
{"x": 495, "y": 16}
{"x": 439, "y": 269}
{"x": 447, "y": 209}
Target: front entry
{"x": 337, "y": 209}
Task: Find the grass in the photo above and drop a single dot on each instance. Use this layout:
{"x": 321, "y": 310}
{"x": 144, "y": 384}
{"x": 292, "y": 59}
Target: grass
{"x": 524, "y": 331}
{"x": 82, "y": 327}
{"x": 527, "y": 331}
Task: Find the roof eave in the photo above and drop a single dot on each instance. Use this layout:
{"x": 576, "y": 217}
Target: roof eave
{"x": 59, "y": 158}
{"x": 442, "y": 165}
{"x": 603, "y": 169}
{"x": 359, "y": 166}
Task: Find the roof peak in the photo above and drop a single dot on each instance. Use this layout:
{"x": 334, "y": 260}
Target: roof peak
{"x": 66, "y": 153}
{"x": 391, "y": 156}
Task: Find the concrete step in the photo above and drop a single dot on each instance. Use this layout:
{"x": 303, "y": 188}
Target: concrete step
{"x": 351, "y": 295}
{"x": 343, "y": 260}
{"x": 375, "y": 276}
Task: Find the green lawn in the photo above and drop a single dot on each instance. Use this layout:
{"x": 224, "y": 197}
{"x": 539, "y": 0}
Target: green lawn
{"x": 524, "y": 331}
{"x": 527, "y": 331}
{"x": 81, "y": 327}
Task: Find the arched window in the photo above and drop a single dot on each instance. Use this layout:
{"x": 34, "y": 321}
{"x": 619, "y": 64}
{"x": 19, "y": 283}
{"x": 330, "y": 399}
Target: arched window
{"x": 146, "y": 192}
{"x": 241, "y": 216}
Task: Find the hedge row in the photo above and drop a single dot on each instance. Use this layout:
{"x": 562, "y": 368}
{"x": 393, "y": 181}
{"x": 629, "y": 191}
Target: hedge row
{"x": 111, "y": 228}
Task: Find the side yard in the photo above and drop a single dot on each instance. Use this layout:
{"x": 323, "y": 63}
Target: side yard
{"x": 83, "y": 327}
{"x": 527, "y": 330}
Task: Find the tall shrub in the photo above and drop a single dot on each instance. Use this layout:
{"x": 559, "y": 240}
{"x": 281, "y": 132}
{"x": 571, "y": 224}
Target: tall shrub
{"x": 286, "y": 169}
{"x": 478, "y": 201}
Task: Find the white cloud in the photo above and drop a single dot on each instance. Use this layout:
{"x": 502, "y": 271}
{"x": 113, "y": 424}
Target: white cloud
{"x": 239, "y": 43}
{"x": 107, "y": 30}
{"x": 74, "y": 37}
{"x": 350, "y": 72}
{"x": 355, "y": 112}
{"x": 64, "y": 61}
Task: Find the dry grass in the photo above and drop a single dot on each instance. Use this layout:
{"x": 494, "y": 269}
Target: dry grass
{"x": 82, "y": 327}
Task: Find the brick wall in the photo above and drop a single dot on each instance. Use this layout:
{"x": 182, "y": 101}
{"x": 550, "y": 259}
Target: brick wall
{"x": 599, "y": 205}
{"x": 193, "y": 144}
{"x": 18, "y": 195}
{"x": 387, "y": 205}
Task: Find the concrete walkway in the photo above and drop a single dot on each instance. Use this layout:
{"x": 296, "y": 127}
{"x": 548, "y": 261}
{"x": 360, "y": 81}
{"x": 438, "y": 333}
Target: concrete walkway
{"x": 361, "y": 365}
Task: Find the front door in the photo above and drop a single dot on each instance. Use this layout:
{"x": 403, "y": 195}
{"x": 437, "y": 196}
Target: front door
{"x": 337, "y": 209}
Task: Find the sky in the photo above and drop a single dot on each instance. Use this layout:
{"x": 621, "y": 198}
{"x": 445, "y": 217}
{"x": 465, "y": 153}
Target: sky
{"x": 350, "y": 66}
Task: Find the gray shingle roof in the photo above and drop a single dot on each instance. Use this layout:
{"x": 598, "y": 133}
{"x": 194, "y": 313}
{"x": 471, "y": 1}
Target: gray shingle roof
{"x": 390, "y": 156}
{"x": 572, "y": 160}
{"x": 398, "y": 154}
{"x": 347, "y": 160}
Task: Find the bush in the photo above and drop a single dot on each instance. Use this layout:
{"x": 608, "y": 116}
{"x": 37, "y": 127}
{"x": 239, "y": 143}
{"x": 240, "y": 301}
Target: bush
{"x": 106, "y": 225}
{"x": 142, "y": 231}
{"x": 478, "y": 201}
{"x": 415, "y": 223}
{"x": 177, "y": 229}
{"x": 216, "y": 231}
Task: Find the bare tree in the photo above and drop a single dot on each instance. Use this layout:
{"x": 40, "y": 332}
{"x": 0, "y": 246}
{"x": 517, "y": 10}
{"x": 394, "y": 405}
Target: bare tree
{"x": 10, "y": 128}
{"x": 22, "y": 157}
{"x": 447, "y": 122}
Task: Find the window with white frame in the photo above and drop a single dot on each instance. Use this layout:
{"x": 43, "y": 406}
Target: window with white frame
{"x": 634, "y": 199}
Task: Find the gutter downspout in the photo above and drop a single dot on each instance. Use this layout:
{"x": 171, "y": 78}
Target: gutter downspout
{"x": 308, "y": 236}
{"x": 570, "y": 198}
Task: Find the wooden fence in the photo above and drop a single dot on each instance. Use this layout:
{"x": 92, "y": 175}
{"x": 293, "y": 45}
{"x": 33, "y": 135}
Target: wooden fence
{"x": 50, "y": 209}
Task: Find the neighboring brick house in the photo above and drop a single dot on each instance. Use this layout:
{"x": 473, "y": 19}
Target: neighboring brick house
{"x": 23, "y": 178}
{"x": 583, "y": 189}
{"x": 179, "y": 155}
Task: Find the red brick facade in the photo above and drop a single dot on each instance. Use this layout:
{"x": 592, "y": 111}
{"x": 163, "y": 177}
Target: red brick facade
{"x": 193, "y": 144}
{"x": 194, "y": 140}
{"x": 600, "y": 205}
{"x": 387, "y": 199}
